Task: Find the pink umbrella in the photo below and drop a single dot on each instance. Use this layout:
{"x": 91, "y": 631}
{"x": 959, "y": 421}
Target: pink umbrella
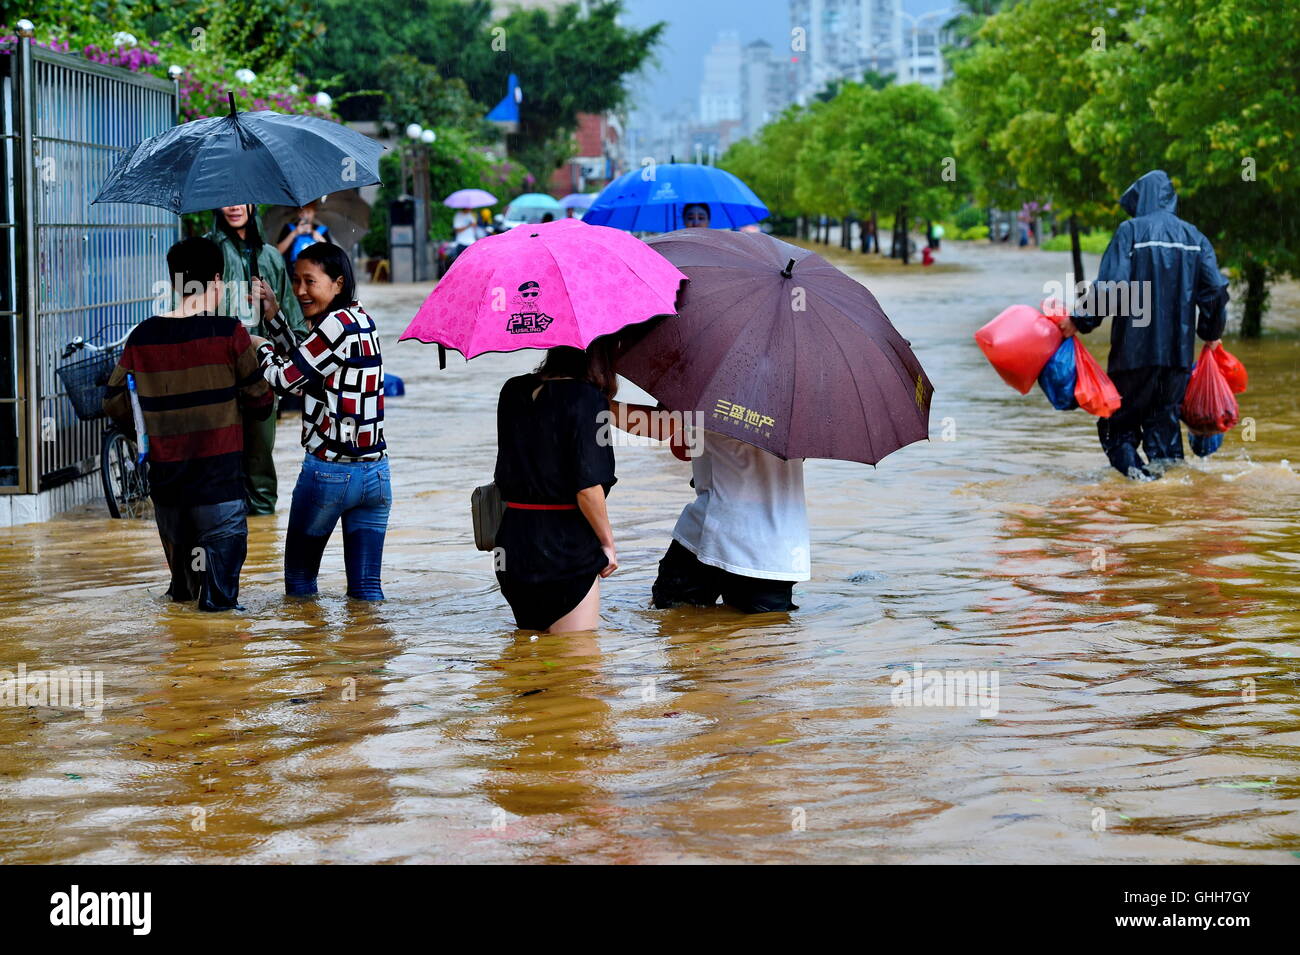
{"x": 557, "y": 283}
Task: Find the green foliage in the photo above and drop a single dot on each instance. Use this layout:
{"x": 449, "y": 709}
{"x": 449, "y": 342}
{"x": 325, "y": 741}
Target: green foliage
{"x": 359, "y": 39}
{"x": 864, "y": 149}
{"x": 903, "y": 135}
{"x": 567, "y": 63}
{"x": 1199, "y": 91}
{"x": 1094, "y": 242}
{"x": 969, "y": 216}
{"x": 768, "y": 164}
{"x": 418, "y": 93}
{"x": 1017, "y": 88}
{"x": 258, "y": 34}
{"x": 455, "y": 162}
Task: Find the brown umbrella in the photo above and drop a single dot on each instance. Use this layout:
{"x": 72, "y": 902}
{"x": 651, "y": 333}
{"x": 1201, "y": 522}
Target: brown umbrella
{"x": 778, "y": 348}
{"x": 345, "y": 214}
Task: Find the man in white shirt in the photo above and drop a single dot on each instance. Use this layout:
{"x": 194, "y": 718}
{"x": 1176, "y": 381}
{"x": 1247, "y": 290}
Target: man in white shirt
{"x": 465, "y": 224}
{"x": 744, "y": 537}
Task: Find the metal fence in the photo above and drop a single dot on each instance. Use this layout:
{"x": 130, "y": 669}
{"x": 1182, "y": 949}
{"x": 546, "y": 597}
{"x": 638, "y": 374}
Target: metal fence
{"x": 89, "y": 270}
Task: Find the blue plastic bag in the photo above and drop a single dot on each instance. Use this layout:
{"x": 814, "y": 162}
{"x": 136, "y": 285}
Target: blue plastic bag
{"x": 1058, "y": 377}
{"x": 1203, "y": 445}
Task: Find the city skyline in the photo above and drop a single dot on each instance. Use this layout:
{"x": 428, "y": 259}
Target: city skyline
{"x": 693, "y": 28}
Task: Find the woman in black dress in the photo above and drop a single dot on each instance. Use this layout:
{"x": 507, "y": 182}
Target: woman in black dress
{"x": 555, "y": 465}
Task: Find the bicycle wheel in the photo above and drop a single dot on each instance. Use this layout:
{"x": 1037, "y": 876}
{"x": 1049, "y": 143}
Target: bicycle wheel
{"x": 126, "y": 486}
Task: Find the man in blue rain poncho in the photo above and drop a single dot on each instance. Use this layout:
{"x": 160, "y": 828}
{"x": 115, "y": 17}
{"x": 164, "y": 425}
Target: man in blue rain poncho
{"x": 1160, "y": 285}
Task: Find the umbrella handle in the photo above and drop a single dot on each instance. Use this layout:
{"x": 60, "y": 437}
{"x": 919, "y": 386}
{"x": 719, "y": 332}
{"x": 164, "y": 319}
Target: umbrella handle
{"x": 442, "y": 357}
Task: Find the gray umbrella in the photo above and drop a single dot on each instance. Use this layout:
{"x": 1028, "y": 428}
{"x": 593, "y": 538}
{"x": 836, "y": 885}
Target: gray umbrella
{"x": 262, "y": 157}
{"x": 345, "y": 214}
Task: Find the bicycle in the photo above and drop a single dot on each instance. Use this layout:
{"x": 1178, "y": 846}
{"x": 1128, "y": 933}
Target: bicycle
{"x": 123, "y": 471}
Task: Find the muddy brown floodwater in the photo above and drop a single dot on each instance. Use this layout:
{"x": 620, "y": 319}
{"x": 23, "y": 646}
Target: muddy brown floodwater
{"x": 1149, "y": 705}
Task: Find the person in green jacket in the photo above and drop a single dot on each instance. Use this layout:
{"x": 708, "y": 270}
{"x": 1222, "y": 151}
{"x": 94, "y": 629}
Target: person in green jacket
{"x": 238, "y": 233}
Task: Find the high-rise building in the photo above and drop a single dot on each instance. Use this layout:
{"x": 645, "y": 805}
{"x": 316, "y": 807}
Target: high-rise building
{"x": 764, "y": 86}
{"x": 720, "y": 88}
{"x": 843, "y": 39}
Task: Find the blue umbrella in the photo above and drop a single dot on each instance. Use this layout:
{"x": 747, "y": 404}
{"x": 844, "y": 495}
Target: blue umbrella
{"x": 243, "y": 158}
{"x": 535, "y": 200}
{"x": 639, "y": 203}
{"x": 578, "y": 200}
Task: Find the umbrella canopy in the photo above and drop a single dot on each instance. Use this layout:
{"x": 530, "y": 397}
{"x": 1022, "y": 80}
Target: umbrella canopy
{"x": 560, "y": 283}
{"x": 641, "y": 204}
{"x": 345, "y": 214}
{"x": 470, "y": 199}
{"x": 776, "y": 347}
{"x": 578, "y": 200}
{"x": 535, "y": 200}
{"x": 262, "y": 157}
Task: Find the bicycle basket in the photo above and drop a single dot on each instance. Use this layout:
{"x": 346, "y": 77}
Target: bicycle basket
{"x": 85, "y": 381}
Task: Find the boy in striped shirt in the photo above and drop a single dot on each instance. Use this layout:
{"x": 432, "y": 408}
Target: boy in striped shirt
{"x": 197, "y": 377}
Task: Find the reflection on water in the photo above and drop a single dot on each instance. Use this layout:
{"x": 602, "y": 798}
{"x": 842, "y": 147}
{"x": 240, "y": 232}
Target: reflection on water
{"x": 1129, "y": 625}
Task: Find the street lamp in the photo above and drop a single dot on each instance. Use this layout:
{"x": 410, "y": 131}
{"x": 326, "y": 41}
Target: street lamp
{"x": 415, "y": 163}
{"x": 937, "y": 15}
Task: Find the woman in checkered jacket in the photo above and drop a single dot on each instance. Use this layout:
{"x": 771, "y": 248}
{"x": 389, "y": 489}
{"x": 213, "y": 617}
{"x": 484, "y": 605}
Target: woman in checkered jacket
{"x": 340, "y": 373}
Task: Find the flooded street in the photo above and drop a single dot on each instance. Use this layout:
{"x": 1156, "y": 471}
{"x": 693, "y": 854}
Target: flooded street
{"x": 1129, "y": 626}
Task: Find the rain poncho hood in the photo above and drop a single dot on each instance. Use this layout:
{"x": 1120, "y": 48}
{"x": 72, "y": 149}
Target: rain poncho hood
{"x": 1152, "y": 193}
{"x": 1159, "y": 282}
{"x": 270, "y": 266}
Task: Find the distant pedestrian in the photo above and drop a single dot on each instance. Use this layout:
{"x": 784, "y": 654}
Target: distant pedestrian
{"x": 696, "y": 215}
{"x": 1165, "y": 272}
{"x": 296, "y": 236}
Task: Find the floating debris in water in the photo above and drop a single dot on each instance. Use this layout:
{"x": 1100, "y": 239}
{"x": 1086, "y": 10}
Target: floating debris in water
{"x": 865, "y": 577}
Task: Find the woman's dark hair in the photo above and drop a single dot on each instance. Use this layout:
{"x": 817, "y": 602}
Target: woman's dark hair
{"x": 697, "y": 205}
{"x": 594, "y": 366}
{"x": 194, "y": 262}
{"x": 334, "y": 262}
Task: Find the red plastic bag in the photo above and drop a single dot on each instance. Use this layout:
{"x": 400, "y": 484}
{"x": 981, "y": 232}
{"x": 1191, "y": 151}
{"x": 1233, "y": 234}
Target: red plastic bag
{"x": 1234, "y": 372}
{"x": 1018, "y": 344}
{"x": 1209, "y": 407}
{"x": 1093, "y": 389}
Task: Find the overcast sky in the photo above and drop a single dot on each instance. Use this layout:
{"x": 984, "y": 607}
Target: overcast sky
{"x": 694, "y": 24}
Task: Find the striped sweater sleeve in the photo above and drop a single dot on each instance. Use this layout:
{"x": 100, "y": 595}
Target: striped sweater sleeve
{"x": 117, "y": 404}
{"x": 320, "y": 353}
{"x": 255, "y": 398}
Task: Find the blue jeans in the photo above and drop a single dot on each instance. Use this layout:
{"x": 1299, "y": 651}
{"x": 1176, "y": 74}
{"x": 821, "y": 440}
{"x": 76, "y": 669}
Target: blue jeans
{"x": 362, "y": 495}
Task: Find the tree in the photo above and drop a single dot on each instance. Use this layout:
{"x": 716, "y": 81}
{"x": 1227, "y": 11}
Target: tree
{"x": 768, "y": 164}
{"x": 1197, "y": 92}
{"x": 904, "y": 135}
{"x": 568, "y": 63}
{"x": 449, "y": 35}
{"x": 824, "y": 164}
{"x": 1022, "y": 80}
{"x": 416, "y": 92}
